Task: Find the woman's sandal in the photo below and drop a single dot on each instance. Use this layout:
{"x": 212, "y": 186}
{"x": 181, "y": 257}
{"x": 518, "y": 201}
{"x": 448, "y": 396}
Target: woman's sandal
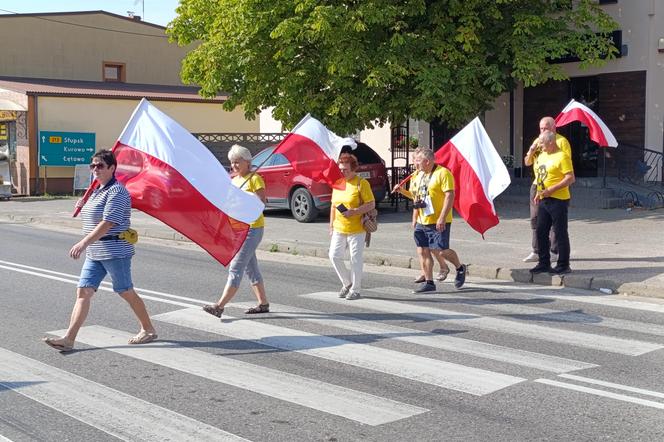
{"x": 143, "y": 337}
{"x": 420, "y": 279}
{"x": 260, "y": 308}
{"x": 59, "y": 344}
{"x": 442, "y": 275}
{"x": 213, "y": 309}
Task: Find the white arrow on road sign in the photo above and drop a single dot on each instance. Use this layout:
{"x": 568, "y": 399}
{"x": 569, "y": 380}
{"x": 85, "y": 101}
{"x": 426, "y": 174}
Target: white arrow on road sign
{"x": 44, "y": 159}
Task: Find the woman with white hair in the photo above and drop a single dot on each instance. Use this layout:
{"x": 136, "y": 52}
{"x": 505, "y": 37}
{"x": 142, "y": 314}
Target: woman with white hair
{"x": 245, "y": 259}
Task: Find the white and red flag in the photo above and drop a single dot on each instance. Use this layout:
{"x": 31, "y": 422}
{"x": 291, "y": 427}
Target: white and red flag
{"x": 599, "y": 132}
{"x": 479, "y": 175}
{"x": 173, "y": 177}
{"x": 313, "y": 151}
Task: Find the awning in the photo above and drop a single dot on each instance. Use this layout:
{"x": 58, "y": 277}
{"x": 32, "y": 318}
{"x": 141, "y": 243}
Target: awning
{"x": 9, "y": 105}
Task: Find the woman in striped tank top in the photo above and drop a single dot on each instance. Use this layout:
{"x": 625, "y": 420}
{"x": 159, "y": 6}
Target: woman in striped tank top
{"x": 105, "y": 215}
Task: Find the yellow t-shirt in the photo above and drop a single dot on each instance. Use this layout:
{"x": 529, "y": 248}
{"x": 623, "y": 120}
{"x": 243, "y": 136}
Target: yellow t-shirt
{"x": 254, "y": 184}
{"x": 436, "y": 185}
{"x": 563, "y": 145}
{"x": 350, "y": 197}
{"x": 550, "y": 169}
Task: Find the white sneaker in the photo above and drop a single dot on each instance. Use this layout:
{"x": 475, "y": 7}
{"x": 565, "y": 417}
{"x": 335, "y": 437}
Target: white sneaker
{"x": 352, "y": 295}
{"x": 554, "y": 257}
{"x": 533, "y": 257}
{"x": 344, "y": 291}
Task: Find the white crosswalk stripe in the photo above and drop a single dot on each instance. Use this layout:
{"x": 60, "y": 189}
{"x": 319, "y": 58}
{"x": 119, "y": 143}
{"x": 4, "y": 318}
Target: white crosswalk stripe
{"x": 524, "y": 358}
{"x": 111, "y": 411}
{"x": 43, "y": 383}
{"x": 340, "y": 401}
{"x": 554, "y": 315}
{"x": 581, "y": 339}
{"x": 431, "y": 371}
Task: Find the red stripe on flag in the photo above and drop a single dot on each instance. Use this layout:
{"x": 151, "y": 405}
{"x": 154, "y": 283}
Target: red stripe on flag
{"x": 162, "y": 192}
{"x": 576, "y": 114}
{"x": 308, "y": 159}
{"x": 470, "y": 200}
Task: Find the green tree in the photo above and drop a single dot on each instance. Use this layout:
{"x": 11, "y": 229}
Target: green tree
{"x": 351, "y": 63}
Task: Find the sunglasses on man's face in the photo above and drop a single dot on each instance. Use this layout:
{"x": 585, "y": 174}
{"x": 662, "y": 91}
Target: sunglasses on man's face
{"x": 97, "y": 166}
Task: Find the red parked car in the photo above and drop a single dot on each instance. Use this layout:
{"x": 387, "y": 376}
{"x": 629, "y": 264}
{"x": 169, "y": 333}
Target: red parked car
{"x": 286, "y": 189}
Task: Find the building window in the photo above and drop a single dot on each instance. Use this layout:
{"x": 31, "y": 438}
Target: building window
{"x": 112, "y": 71}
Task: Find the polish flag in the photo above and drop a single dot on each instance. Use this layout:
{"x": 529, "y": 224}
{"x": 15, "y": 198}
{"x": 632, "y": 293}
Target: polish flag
{"x": 173, "y": 177}
{"x": 313, "y": 151}
{"x": 479, "y": 175}
{"x": 599, "y": 132}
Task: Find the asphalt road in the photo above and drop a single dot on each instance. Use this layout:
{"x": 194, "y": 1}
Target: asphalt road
{"x": 493, "y": 361}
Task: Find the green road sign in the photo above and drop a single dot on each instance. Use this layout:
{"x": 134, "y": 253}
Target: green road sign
{"x": 65, "y": 148}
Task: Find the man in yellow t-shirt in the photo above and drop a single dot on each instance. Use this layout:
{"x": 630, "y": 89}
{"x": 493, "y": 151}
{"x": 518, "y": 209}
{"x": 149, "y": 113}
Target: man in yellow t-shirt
{"x": 546, "y": 123}
{"x": 553, "y": 174}
{"x": 432, "y": 191}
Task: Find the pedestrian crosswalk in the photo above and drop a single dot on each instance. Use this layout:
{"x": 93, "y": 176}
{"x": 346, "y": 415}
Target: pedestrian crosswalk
{"x": 102, "y": 407}
{"x": 402, "y": 354}
{"x": 581, "y": 339}
{"x": 329, "y": 398}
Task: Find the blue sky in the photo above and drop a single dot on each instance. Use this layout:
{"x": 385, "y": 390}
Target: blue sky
{"x": 156, "y": 11}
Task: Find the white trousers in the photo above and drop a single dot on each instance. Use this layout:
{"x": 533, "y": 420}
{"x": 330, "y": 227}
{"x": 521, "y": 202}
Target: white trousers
{"x": 355, "y": 244}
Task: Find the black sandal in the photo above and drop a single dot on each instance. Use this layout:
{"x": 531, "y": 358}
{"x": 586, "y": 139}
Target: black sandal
{"x": 213, "y": 309}
{"x": 260, "y": 308}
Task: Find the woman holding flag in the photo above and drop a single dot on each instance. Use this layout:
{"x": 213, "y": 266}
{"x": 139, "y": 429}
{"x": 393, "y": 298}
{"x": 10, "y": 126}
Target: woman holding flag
{"x": 245, "y": 259}
{"x": 106, "y": 219}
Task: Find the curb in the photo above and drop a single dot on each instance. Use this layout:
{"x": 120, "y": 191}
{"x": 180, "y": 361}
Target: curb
{"x": 607, "y": 286}
{"x": 486, "y": 272}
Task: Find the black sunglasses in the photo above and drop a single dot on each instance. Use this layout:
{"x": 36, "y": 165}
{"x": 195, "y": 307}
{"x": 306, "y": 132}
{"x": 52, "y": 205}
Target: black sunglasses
{"x": 97, "y": 166}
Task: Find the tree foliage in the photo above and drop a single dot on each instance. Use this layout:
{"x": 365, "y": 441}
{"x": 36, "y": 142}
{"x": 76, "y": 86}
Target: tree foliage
{"x": 352, "y": 63}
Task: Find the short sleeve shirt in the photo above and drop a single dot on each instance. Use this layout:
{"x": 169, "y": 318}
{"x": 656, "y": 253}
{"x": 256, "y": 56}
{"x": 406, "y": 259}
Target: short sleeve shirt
{"x": 550, "y": 169}
{"x": 436, "y": 185}
{"x": 562, "y": 144}
{"x": 109, "y": 203}
{"x": 357, "y": 192}
{"x": 254, "y": 184}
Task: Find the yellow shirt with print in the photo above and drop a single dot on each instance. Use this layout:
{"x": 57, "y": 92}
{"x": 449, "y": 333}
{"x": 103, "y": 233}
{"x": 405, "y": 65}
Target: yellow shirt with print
{"x": 254, "y": 184}
{"x": 440, "y": 182}
{"x": 563, "y": 145}
{"x": 550, "y": 169}
{"x": 350, "y": 197}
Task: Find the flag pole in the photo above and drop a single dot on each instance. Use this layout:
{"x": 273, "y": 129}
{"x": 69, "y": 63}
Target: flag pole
{"x": 93, "y": 185}
{"x": 297, "y": 126}
{"x": 405, "y": 180}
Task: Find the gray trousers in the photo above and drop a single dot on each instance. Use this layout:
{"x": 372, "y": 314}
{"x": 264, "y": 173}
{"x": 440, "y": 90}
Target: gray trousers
{"x": 533, "y": 224}
{"x": 245, "y": 260}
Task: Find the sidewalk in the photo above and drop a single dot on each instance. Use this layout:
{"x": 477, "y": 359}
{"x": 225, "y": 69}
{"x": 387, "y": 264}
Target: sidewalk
{"x": 611, "y": 249}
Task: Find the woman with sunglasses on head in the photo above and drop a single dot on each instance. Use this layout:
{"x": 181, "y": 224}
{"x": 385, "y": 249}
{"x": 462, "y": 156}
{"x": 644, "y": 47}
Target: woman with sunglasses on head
{"x": 346, "y": 229}
{"x": 106, "y": 215}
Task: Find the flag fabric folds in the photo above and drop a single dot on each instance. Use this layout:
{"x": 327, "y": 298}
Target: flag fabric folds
{"x": 313, "y": 151}
{"x": 479, "y": 175}
{"x": 174, "y": 178}
{"x": 599, "y": 132}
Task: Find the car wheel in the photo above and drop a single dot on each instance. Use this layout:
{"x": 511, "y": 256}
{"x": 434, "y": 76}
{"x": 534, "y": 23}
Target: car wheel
{"x": 302, "y": 206}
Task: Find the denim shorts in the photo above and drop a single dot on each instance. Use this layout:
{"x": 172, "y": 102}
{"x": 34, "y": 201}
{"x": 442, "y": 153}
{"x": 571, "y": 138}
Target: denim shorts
{"x": 119, "y": 269}
{"x": 426, "y": 236}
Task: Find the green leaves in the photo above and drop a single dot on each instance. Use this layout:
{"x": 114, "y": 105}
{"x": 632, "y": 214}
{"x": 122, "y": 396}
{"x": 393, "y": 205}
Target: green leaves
{"x": 351, "y": 63}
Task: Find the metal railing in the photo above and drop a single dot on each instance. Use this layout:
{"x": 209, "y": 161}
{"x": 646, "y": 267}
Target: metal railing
{"x": 645, "y": 167}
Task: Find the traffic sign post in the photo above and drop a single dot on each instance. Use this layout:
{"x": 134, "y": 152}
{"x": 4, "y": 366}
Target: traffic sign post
{"x": 65, "y": 148}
